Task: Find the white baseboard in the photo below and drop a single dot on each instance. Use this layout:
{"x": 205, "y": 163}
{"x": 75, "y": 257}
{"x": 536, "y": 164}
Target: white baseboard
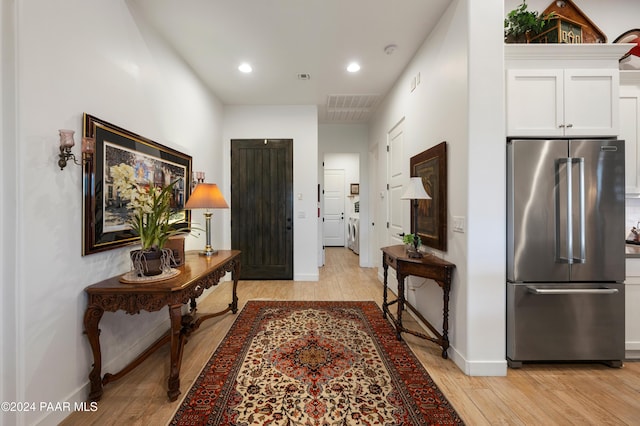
{"x": 497, "y": 368}
{"x": 632, "y": 355}
{"x": 632, "y": 350}
{"x": 306, "y": 277}
{"x": 632, "y": 346}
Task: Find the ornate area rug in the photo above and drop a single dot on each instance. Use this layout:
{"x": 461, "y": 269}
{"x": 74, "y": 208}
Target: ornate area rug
{"x": 313, "y": 363}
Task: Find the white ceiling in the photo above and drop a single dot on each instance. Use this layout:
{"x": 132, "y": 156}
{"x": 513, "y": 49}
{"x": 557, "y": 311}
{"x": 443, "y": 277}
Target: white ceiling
{"x": 283, "y": 38}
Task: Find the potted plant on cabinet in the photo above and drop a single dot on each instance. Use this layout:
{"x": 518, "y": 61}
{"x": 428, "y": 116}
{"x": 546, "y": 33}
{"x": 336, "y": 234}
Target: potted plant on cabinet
{"x": 149, "y": 213}
{"x": 521, "y": 25}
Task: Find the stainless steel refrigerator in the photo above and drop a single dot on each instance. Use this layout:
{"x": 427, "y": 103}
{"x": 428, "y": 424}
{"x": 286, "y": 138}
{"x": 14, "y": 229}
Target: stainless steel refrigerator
{"x": 565, "y": 250}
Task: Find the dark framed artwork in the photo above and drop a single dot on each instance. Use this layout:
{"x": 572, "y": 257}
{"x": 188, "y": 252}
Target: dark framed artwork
{"x": 105, "y": 214}
{"x": 355, "y": 188}
{"x": 431, "y": 166}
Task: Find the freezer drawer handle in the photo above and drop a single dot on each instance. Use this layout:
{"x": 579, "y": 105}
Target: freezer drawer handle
{"x": 572, "y": 290}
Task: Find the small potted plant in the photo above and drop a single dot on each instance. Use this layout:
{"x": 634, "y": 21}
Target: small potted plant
{"x": 521, "y": 24}
{"x": 412, "y": 243}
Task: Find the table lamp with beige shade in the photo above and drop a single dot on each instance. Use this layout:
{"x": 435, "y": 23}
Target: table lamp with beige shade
{"x": 207, "y": 196}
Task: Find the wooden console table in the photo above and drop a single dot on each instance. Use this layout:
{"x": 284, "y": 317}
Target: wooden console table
{"x": 197, "y": 274}
{"x": 428, "y": 266}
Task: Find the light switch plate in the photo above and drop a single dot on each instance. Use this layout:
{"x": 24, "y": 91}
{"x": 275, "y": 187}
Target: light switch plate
{"x": 458, "y": 224}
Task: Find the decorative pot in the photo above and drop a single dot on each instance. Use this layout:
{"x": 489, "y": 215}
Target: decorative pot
{"x": 149, "y": 263}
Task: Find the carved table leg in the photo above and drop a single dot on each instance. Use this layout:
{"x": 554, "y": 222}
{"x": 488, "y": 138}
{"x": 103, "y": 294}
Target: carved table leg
{"x": 445, "y": 319}
{"x": 193, "y": 307}
{"x": 385, "y": 268}
{"x": 92, "y": 317}
{"x": 400, "y": 305}
{"x": 235, "y": 275}
{"x": 175, "y": 315}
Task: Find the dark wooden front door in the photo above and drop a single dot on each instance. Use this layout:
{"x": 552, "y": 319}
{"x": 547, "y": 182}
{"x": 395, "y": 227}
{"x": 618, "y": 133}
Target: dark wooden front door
{"x": 262, "y": 207}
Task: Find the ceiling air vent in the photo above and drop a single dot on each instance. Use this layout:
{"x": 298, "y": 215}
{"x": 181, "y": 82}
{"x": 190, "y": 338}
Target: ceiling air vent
{"x": 350, "y": 108}
{"x": 304, "y": 76}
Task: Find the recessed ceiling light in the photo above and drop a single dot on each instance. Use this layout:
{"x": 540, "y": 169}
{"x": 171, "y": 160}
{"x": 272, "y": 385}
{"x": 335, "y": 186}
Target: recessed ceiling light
{"x": 245, "y": 68}
{"x": 353, "y": 67}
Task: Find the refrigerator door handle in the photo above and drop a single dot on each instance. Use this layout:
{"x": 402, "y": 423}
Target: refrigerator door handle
{"x": 543, "y": 291}
{"x": 569, "y": 214}
{"x": 581, "y": 212}
{"x": 568, "y": 235}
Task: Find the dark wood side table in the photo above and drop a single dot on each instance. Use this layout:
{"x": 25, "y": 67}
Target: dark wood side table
{"x": 428, "y": 266}
{"x": 197, "y": 274}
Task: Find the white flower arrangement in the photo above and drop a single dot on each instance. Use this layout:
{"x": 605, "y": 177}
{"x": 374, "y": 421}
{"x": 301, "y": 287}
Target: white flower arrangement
{"x": 149, "y": 207}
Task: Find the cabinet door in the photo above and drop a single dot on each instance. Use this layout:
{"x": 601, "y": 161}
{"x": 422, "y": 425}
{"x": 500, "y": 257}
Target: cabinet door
{"x": 591, "y": 102}
{"x": 632, "y": 308}
{"x": 629, "y": 132}
{"x": 534, "y": 102}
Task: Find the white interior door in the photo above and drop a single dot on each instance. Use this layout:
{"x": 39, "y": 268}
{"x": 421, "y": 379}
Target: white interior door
{"x": 334, "y": 208}
{"x": 396, "y": 177}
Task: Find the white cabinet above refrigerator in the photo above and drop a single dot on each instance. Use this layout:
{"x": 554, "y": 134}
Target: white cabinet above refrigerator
{"x": 563, "y": 90}
{"x": 556, "y": 102}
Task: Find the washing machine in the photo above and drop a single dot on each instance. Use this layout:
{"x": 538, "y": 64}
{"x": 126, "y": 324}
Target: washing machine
{"x": 354, "y": 232}
{"x": 350, "y": 233}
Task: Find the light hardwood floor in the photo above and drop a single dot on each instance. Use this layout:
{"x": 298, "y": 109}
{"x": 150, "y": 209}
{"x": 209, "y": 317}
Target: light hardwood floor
{"x": 560, "y": 394}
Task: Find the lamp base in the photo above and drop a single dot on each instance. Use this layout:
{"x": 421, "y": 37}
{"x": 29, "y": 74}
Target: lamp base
{"x": 208, "y": 251}
{"x": 414, "y": 254}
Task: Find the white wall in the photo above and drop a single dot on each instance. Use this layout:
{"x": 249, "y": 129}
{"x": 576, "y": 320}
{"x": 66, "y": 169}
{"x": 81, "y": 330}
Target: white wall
{"x": 351, "y": 138}
{"x": 486, "y": 230}
{"x": 73, "y": 57}
{"x": 8, "y": 237}
{"x": 459, "y": 100}
{"x": 434, "y": 112}
{"x": 299, "y": 123}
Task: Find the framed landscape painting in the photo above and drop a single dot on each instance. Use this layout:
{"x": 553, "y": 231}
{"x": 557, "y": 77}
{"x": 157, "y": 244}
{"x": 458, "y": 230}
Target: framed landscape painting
{"x": 105, "y": 213}
{"x": 431, "y": 166}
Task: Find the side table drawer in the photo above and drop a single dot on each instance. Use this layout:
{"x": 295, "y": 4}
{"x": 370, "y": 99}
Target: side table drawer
{"x": 391, "y": 261}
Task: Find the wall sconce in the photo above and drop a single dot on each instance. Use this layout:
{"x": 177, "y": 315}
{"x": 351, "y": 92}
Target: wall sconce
{"x": 67, "y": 142}
{"x": 198, "y": 177}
